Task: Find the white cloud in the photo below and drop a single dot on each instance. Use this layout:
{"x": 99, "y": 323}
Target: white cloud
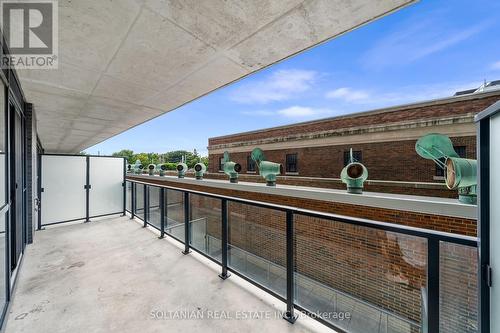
{"x": 293, "y": 112}
{"x": 371, "y": 98}
{"x": 302, "y": 111}
{"x": 495, "y": 66}
{"x": 348, "y": 94}
{"x": 259, "y": 113}
{"x": 416, "y": 42}
{"x": 281, "y": 85}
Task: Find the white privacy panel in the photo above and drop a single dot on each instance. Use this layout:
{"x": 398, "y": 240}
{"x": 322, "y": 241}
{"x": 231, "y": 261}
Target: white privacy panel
{"x": 63, "y": 184}
{"x": 106, "y": 191}
{"x": 495, "y": 221}
{"x": 2, "y": 178}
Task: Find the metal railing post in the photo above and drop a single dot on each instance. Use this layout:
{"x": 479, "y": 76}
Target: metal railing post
{"x": 39, "y": 221}
{"x": 124, "y": 184}
{"x": 132, "y": 203}
{"x": 187, "y": 232}
{"x": 433, "y": 284}
{"x": 290, "y": 281}
{"x": 145, "y": 205}
{"x": 87, "y": 191}
{"x": 39, "y": 193}
{"x": 162, "y": 212}
{"x": 224, "y": 235}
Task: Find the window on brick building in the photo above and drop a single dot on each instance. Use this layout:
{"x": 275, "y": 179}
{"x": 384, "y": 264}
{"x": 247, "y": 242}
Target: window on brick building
{"x": 461, "y": 151}
{"x": 291, "y": 163}
{"x": 221, "y": 163}
{"x": 357, "y": 154}
{"x": 250, "y": 164}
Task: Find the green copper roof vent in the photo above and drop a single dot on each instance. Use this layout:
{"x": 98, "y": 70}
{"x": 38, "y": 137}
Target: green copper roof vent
{"x": 161, "y": 169}
{"x": 151, "y": 169}
{"x": 137, "y": 167}
{"x": 354, "y": 175}
{"x": 460, "y": 173}
{"x": 268, "y": 170}
{"x": 181, "y": 169}
{"x": 199, "y": 170}
{"x": 231, "y": 168}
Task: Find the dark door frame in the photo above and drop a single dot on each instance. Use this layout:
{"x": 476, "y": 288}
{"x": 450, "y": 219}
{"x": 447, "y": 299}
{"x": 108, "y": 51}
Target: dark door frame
{"x": 38, "y": 203}
{"x": 16, "y": 249}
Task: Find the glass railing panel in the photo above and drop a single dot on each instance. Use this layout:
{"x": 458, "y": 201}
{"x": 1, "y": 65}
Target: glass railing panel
{"x": 174, "y": 209}
{"x": 128, "y": 202}
{"x": 154, "y": 216}
{"x": 257, "y": 244}
{"x": 3, "y": 257}
{"x": 205, "y": 224}
{"x": 359, "y": 279}
{"x": 458, "y": 289}
{"x": 139, "y": 200}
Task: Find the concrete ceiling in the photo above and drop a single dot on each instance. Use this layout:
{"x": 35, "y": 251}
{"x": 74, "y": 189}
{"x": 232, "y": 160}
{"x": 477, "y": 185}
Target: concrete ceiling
{"x": 124, "y": 62}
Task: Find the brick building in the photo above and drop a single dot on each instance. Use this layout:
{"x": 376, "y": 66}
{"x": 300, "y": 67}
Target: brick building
{"x": 383, "y": 139}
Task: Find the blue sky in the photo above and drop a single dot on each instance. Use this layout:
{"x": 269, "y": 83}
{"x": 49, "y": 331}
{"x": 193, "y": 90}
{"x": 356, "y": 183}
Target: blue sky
{"x": 428, "y": 50}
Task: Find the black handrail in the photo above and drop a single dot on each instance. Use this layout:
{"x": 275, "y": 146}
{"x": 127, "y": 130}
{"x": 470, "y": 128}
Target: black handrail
{"x": 390, "y": 227}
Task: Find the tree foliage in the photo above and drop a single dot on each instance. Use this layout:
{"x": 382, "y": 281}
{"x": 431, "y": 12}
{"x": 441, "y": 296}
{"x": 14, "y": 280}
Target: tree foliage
{"x": 170, "y": 158}
{"x": 127, "y": 153}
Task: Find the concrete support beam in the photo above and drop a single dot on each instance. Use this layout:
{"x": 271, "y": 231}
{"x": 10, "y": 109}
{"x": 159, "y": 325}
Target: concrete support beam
{"x": 122, "y": 63}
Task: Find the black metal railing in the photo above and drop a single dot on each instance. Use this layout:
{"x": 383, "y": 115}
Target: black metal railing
{"x": 172, "y": 213}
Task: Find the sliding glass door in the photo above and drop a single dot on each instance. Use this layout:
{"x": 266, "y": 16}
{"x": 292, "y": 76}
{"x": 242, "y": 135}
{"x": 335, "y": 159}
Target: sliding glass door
{"x": 17, "y": 230}
{"x": 4, "y": 206}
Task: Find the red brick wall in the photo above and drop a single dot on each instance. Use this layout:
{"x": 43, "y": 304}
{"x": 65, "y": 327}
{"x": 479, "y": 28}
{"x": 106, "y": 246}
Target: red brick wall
{"x": 396, "y": 161}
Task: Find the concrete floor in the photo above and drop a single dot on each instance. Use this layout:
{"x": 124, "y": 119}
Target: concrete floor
{"x": 110, "y": 275}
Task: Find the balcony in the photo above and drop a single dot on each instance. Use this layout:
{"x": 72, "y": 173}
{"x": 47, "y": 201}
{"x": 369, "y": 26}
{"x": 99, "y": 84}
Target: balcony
{"x": 349, "y": 274}
{"x": 110, "y": 275}
{"x": 107, "y": 254}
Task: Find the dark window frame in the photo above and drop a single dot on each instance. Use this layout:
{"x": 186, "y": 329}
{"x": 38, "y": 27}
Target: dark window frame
{"x": 251, "y": 165}
{"x": 221, "y": 164}
{"x": 461, "y": 151}
{"x": 357, "y": 154}
{"x": 292, "y": 163}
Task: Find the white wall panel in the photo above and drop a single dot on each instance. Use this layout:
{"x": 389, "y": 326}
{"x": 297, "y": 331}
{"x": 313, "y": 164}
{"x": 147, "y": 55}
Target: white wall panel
{"x": 495, "y": 220}
{"x": 63, "y": 183}
{"x": 106, "y": 179}
{"x": 2, "y": 178}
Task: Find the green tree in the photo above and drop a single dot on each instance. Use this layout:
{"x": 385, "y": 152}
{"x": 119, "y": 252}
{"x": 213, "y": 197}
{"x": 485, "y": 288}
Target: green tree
{"x": 153, "y": 158}
{"x": 170, "y": 158}
{"x": 204, "y": 160}
{"x": 171, "y": 166}
{"x": 127, "y": 153}
{"x": 176, "y": 157}
{"x": 143, "y": 157}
